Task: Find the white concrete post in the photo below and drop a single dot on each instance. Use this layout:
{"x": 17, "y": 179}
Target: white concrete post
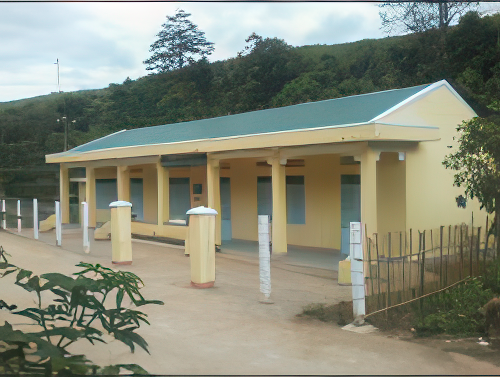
{"x": 18, "y": 216}
{"x": 357, "y": 275}
{"x": 58, "y": 224}
{"x": 35, "y": 219}
{"x": 264, "y": 257}
{"x": 4, "y": 217}
{"x": 85, "y": 225}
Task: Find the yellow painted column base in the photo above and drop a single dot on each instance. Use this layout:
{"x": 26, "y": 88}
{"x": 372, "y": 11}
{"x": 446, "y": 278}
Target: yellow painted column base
{"x": 202, "y": 247}
{"x": 344, "y": 277}
{"x": 121, "y": 235}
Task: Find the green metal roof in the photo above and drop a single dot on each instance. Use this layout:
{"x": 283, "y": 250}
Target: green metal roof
{"x": 334, "y": 112}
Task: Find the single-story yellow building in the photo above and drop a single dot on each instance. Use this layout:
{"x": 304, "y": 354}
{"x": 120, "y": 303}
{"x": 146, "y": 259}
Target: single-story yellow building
{"x": 314, "y": 167}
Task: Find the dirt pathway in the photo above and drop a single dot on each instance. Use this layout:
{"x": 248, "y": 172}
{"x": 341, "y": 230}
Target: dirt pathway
{"x": 225, "y": 330}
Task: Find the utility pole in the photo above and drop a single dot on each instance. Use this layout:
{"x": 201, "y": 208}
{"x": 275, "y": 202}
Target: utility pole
{"x": 58, "y": 85}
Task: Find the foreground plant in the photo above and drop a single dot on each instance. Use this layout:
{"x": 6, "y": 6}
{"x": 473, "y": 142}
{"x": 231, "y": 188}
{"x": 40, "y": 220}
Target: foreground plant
{"x": 89, "y": 304}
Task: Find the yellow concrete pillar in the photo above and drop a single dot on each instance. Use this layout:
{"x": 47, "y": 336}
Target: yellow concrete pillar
{"x": 64, "y": 193}
{"x": 123, "y": 183}
{"x": 279, "y": 238}
{"x": 369, "y": 190}
{"x": 202, "y": 246}
{"x": 121, "y": 232}
{"x": 90, "y": 195}
{"x": 213, "y": 192}
{"x": 163, "y": 193}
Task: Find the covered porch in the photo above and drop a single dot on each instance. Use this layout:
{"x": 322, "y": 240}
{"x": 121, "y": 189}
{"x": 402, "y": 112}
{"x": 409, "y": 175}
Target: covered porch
{"x": 311, "y": 193}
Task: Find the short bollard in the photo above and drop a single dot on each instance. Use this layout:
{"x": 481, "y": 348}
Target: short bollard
{"x": 202, "y": 246}
{"x": 121, "y": 232}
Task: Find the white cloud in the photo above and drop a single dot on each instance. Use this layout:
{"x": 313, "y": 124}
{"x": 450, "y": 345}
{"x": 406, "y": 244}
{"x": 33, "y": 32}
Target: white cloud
{"x": 102, "y": 43}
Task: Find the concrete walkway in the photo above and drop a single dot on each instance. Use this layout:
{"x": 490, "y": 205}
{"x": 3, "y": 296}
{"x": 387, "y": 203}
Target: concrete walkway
{"x": 225, "y": 330}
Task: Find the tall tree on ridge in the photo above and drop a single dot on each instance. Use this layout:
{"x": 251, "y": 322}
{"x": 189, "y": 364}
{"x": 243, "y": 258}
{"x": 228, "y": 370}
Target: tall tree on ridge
{"x": 178, "y": 44}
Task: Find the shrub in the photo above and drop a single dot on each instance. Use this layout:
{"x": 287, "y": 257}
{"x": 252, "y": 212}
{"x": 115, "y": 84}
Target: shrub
{"x": 91, "y": 298}
{"x": 457, "y": 311}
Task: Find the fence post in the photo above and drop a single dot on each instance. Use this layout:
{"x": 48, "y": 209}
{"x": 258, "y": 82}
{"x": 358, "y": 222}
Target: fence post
{"x": 4, "y": 215}
{"x": 378, "y": 272}
{"x": 461, "y": 252}
{"x": 486, "y": 236}
{"x": 264, "y": 258}
{"x": 85, "y": 225}
{"x": 58, "y": 224}
{"x": 478, "y": 246}
{"x": 441, "y": 256}
{"x": 471, "y": 245}
{"x": 357, "y": 275}
{"x": 389, "y": 247}
{"x": 19, "y": 216}
{"x": 35, "y": 219}
{"x": 410, "y": 264}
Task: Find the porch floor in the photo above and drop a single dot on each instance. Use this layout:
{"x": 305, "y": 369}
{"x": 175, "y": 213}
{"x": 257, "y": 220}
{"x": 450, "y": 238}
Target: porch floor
{"x": 327, "y": 259}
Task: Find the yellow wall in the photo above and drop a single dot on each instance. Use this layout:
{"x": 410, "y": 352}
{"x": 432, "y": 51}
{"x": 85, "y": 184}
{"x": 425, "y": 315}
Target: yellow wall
{"x": 322, "y": 197}
{"x": 243, "y": 174}
{"x": 429, "y": 186}
{"x": 391, "y": 193}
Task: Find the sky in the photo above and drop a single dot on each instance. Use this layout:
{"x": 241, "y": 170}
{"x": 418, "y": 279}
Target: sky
{"x": 102, "y": 43}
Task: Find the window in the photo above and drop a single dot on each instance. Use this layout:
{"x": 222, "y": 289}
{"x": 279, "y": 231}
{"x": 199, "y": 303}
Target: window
{"x": 264, "y": 196}
{"x": 180, "y": 198}
{"x": 105, "y": 192}
{"x": 137, "y": 198}
{"x": 295, "y": 200}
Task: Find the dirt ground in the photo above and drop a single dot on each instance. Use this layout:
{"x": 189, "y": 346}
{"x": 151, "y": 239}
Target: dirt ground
{"x": 226, "y": 330}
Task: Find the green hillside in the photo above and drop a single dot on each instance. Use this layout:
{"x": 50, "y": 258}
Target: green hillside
{"x": 270, "y": 75}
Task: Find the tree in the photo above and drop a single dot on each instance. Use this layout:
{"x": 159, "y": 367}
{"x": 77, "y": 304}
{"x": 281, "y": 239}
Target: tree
{"x": 477, "y": 162}
{"x": 178, "y": 44}
{"x": 415, "y": 17}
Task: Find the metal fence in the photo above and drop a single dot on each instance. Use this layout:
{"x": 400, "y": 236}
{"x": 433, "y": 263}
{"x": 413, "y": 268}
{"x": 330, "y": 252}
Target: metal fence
{"x": 402, "y": 266}
{"x": 45, "y": 209}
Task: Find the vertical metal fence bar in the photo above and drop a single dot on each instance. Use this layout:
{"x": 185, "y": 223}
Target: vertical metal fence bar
{"x": 448, "y": 254}
{"x": 441, "y": 256}
{"x": 403, "y": 262}
{"x": 478, "y": 245}
{"x": 486, "y": 236}
{"x": 389, "y": 245}
{"x": 471, "y": 245}
{"x": 461, "y": 253}
{"x": 411, "y": 263}
{"x": 378, "y": 271}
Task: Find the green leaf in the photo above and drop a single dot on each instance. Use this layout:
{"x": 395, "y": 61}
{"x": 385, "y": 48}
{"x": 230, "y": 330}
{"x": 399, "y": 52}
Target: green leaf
{"x": 32, "y": 313}
{"x": 23, "y": 274}
{"x": 119, "y": 298}
{"x": 3, "y": 304}
{"x": 134, "y": 368}
{"x": 58, "y": 280}
{"x": 129, "y": 338}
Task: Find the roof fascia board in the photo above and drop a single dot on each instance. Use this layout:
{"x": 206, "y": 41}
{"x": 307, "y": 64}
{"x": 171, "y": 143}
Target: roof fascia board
{"x": 244, "y": 153}
{"x": 347, "y": 149}
{"x": 125, "y": 161}
{"x": 57, "y": 157}
{"x": 361, "y": 132}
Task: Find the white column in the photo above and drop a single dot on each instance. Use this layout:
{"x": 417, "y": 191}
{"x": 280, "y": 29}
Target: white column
{"x": 357, "y": 275}
{"x": 85, "y": 225}
{"x": 264, "y": 257}
{"x": 4, "y": 220}
{"x": 58, "y": 224}
{"x": 18, "y": 216}
{"x": 35, "y": 219}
